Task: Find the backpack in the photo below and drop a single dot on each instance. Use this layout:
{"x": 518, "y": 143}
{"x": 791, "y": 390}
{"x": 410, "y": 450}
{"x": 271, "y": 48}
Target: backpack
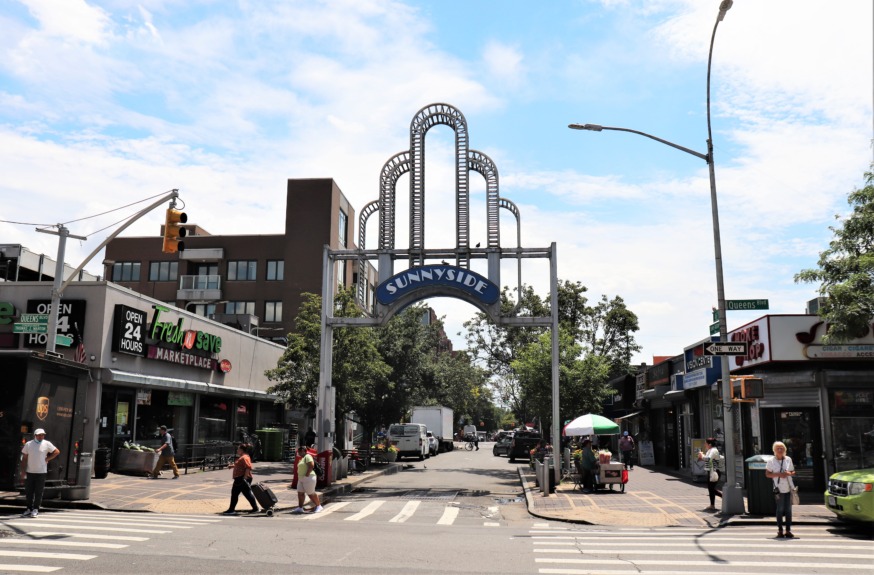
{"x": 174, "y": 443}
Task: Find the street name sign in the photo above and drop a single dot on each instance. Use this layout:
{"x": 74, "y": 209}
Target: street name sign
{"x": 714, "y": 328}
{"x": 734, "y": 348}
{"x": 30, "y": 328}
{"x": 63, "y": 340}
{"x": 745, "y": 304}
{"x": 33, "y": 318}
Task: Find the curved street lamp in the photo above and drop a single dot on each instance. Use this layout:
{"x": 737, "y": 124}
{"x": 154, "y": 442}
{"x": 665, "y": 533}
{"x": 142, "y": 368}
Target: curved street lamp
{"x": 732, "y": 500}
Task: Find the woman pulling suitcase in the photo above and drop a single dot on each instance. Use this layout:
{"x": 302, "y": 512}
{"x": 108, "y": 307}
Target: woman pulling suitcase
{"x": 242, "y": 475}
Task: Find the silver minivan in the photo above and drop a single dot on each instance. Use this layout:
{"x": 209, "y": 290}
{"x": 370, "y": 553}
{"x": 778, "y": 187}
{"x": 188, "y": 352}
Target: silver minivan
{"x": 411, "y": 439}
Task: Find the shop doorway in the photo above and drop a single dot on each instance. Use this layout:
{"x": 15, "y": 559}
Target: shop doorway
{"x": 116, "y": 418}
{"x": 799, "y": 429}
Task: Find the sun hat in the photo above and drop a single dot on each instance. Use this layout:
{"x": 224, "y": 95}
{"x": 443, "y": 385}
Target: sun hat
{"x": 40, "y": 431}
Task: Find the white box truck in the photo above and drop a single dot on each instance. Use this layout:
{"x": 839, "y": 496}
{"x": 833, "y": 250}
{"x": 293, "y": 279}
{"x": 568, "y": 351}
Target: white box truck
{"x": 438, "y": 420}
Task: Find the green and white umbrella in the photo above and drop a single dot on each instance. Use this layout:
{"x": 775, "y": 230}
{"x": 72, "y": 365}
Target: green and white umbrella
{"x": 591, "y": 424}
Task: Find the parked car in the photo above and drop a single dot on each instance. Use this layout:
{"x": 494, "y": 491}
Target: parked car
{"x": 433, "y": 444}
{"x": 502, "y": 446}
{"x": 850, "y": 495}
{"x": 522, "y": 444}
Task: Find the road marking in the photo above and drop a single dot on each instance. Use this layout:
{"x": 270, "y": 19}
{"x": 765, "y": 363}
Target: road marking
{"x": 449, "y": 516}
{"x": 829, "y": 567}
{"x": 85, "y": 535}
{"x": 326, "y": 511}
{"x": 406, "y": 512}
{"x": 368, "y": 510}
{"x": 138, "y": 518}
{"x": 59, "y": 543}
{"x": 110, "y": 523}
{"x": 491, "y": 524}
{"x": 13, "y": 568}
{"x": 710, "y": 544}
{"x": 41, "y": 555}
{"x": 87, "y": 527}
{"x": 704, "y": 551}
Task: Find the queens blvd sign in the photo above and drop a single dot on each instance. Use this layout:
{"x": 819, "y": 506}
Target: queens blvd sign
{"x": 734, "y": 348}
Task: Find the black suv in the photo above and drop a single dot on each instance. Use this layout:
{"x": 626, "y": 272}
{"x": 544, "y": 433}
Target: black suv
{"x": 522, "y": 444}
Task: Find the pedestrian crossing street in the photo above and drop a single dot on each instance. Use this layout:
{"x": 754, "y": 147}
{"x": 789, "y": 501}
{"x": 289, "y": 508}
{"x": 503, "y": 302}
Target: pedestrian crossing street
{"x": 735, "y": 550}
{"x": 46, "y": 543}
{"x": 406, "y": 511}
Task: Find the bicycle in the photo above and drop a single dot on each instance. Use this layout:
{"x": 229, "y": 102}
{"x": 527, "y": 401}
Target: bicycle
{"x": 468, "y": 445}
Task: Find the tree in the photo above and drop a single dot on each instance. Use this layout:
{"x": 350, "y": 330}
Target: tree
{"x": 356, "y": 368}
{"x": 846, "y": 269}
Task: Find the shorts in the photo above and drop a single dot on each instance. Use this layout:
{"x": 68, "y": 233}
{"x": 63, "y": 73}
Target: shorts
{"x": 306, "y": 484}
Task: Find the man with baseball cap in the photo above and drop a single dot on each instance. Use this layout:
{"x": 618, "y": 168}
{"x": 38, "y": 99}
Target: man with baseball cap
{"x": 35, "y": 457}
{"x": 166, "y": 454}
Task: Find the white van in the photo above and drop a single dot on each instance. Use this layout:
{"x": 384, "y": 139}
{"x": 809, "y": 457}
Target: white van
{"x": 411, "y": 439}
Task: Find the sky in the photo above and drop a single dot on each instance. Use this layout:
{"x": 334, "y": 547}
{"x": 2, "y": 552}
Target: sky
{"x": 106, "y": 103}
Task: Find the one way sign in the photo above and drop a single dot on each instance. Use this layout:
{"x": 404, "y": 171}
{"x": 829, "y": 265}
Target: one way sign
{"x": 736, "y": 348}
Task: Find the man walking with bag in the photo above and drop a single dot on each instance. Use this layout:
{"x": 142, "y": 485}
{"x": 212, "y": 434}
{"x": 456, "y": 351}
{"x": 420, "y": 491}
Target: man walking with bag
{"x": 166, "y": 454}
{"x": 35, "y": 457}
{"x": 626, "y": 446}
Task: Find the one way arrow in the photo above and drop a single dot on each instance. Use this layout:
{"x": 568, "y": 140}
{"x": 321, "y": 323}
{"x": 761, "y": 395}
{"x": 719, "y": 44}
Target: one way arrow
{"x": 735, "y": 348}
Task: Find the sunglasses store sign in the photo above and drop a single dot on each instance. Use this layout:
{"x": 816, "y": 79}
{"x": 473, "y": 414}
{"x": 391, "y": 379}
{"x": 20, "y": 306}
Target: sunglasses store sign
{"x": 164, "y": 340}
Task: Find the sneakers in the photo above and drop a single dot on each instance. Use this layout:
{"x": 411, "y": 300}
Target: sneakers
{"x": 710, "y": 508}
{"x": 297, "y": 510}
{"x": 175, "y": 477}
{"x": 256, "y": 510}
{"x": 229, "y": 512}
{"x": 780, "y": 534}
{"x": 789, "y": 534}
{"x": 318, "y": 509}
{"x": 26, "y": 513}
{"x": 35, "y": 512}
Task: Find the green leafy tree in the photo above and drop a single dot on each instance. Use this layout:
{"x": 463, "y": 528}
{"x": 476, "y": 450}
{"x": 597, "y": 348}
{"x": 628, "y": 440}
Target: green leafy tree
{"x": 846, "y": 269}
{"x": 356, "y": 368}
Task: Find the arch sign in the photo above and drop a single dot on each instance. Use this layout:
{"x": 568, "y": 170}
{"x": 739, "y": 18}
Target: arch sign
{"x": 427, "y": 273}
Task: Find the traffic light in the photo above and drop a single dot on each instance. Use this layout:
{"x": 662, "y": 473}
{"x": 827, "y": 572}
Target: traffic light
{"x": 747, "y": 388}
{"x": 173, "y": 231}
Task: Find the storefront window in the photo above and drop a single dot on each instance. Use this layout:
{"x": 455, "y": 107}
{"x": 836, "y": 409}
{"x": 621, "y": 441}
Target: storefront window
{"x": 214, "y": 423}
{"x": 154, "y": 410}
{"x": 853, "y": 428}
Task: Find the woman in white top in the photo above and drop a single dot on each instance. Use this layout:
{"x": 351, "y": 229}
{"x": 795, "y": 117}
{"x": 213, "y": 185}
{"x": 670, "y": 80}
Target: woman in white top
{"x": 781, "y": 470}
{"x": 712, "y": 457}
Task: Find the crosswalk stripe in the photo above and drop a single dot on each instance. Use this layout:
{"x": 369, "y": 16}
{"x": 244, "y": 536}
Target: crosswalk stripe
{"x": 449, "y": 516}
{"x": 666, "y": 540}
{"x": 406, "y": 512}
{"x": 637, "y": 571}
{"x": 42, "y": 555}
{"x": 830, "y": 567}
{"x": 491, "y": 524}
{"x": 109, "y": 523}
{"x": 326, "y": 511}
{"x": 61, "y": 543}
{"x": 712, "y": 544}
{"x": 675, "y": 552}
{"x": 369, "y": 509}
{"x": 87, "y": 527}
{"x": 13, "y": 568}
{"x": 137, "y": 518}
{"x": 85, "y": 535}
{"x": 147, "y": 514}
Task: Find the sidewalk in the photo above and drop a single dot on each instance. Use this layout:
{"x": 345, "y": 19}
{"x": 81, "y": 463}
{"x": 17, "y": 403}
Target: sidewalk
{"x": 653, "y": 498}
{"x": 195, "y": 492}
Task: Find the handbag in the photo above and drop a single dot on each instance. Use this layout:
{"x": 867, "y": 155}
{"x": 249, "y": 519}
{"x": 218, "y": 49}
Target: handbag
{"x": 714, "y": 476}
{"x": 793, "y": 490}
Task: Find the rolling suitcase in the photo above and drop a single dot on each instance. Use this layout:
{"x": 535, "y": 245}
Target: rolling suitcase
{"x": 265, "y": 498}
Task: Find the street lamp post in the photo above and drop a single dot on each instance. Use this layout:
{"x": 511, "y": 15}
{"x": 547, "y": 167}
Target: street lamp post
{"x": 732, "y": 500}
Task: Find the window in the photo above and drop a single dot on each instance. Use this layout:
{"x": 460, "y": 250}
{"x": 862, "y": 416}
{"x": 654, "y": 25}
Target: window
{"x": 204, "y": 309}
{"x": 273, "y": 311}
{"x": 126, "y": 272}
{"x": 243, "y": 270}
{"x": 163, "y": 271}
{"x": 341, "y": 273}
{"x": 275, "y": 270}
{"x": 343, "y": 225}
{"x": 240, "y": 307}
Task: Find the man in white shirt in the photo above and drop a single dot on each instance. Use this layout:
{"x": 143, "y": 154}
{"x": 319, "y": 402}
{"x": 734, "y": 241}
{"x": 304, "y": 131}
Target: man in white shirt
{"x": 35, "y": 457}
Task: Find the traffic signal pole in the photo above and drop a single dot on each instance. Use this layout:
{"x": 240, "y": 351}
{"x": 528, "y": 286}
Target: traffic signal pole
{"x": 60, "y": 284}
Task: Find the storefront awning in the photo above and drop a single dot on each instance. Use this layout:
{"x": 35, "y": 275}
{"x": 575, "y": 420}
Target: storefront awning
{"x": 676, "y": 395}
{"x": 153, "y": 381}
{"x": 628, "y": 415}
{"x": 656, "y": 392}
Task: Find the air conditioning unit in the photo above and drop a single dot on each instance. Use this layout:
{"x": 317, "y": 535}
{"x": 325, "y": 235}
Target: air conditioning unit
{"x": 814, "y": 305}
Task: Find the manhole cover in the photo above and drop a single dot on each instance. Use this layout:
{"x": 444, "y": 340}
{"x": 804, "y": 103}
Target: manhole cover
{"x": 430, "y": 494}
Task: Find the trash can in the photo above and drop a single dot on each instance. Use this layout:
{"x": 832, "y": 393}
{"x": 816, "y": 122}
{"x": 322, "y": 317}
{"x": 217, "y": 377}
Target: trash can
{"x": 82, "y": 489}
{"x": 760, "y": 489}
{"x": 102, "y": 462}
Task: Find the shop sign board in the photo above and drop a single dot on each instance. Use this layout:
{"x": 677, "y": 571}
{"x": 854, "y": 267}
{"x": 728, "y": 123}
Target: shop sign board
{"x": 129, "y": 330}
{"x": 70, "y": 312}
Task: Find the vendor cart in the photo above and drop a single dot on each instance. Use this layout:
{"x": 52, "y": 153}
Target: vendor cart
{"x": 613, "y": 473}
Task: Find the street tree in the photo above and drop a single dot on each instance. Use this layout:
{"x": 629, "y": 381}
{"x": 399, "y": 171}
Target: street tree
{"x": 846, "y": 269}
